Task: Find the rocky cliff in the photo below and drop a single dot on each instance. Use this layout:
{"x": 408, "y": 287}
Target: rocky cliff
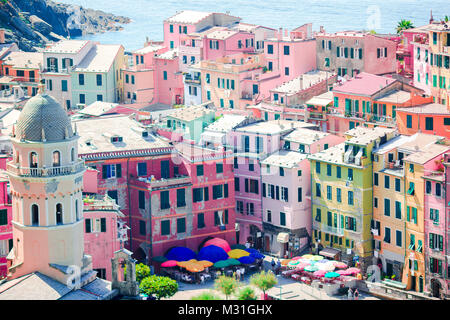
{"x": 32, "y": 23}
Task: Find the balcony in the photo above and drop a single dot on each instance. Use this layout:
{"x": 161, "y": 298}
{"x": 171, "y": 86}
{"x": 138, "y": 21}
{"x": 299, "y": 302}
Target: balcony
{"x": 162, "y": 183}
{"x": 328, "y": 229}
{"x": 46, "y": 172}
{"x": 190, "y": 79}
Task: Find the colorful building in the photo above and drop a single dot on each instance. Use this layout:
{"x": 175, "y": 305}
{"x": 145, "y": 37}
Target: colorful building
{"x": 168, "y": 78}
{"x": 286, "y": 191}
{"x": 418, "y": 165}
{"x": 188, "y": 21}
{"x": 6, "y": 235}
{"x": 342, "y": 190}
{"x": 432, "y": 118}
{"x": 104, "y": 233}
{"x": 353, "y": 52}
{"x": 372, "y": 100}
{"x": 389, "y": 194}
{"x": 252, "y": 143}
{"x": 22, "y": 69}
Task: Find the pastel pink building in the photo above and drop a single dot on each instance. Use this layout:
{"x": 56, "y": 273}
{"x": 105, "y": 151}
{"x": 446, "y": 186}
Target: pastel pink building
{"x": 6, "y": 235}
{"x": 168, "y": 79}
{"x": 252, "y": 143}
{"x": 139, "y": 78}
{"x": 286, "y": 194}
{"x": 188, "y": 21}
{"x": 104, "y": 233}
{"x": 291, "y": 54}
{"x": 405, "y": 49}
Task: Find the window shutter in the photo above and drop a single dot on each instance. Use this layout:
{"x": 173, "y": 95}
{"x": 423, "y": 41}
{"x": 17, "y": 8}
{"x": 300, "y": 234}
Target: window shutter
{"x": 431, "y": 244}
{"x": 104, "y": 171}
{"x": 277, "y": 193}
{"x": 264, "y": 190}
{"x": 225, "y": 186}
{"x": 103, "y": 224}
{"x": 338, "y": 52}
{"x": 118, "y": 170}
{"x": 206, "y": 193}
{"x": 87, "y": 225}
{"x": 246, "y": 185}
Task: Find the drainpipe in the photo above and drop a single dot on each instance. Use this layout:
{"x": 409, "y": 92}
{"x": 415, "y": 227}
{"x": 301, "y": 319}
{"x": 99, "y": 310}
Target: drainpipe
{"x": 129, "y": 203}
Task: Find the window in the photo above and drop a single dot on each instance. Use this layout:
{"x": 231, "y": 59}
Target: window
{"x": 409, "y": 121}
{"x": 200, "y": 220}
{"x": 164, "y": 75}
{"x": 165, "y": 227}
{"x": 350, "y": 174}
{"x": 338, "y": 172}
{"x": 64, "y": 85}
{"x": 318, "y": 190}
{"x": 398, "y": 238}
{"x": 141, "y": 199}
{"x": 82, "y": 98}
{"x": 282, "y": 218}
{"x": 299, "y": 194}
{"x": 100, "y": 97}
{"x": 164, "y": 200}
{"x": 99, "y": 79}
{"x": 397, "y": 184}
{"x": 217, "y": 192}
{"x": 34, "y": 216}
{"x": 387, "y": 235}
{"x": 338, "y": 195}
{"x": 329, "y": 170}
{"x": 438, "y": 189}
{"x": 181, "y": 198}
{"x": 286, "y": 71}
{"x": 386, "y": 182}
{"x": 398, "y": 209}
{"x": 81, "y": 79}
{"x": 181, "y": 225}
{"x": 142, "y": 169}
{"x": 251, "y": 165}
{"x": 428, "y": 123}
{"x": 59, "y": 214}
{"x": 197, "y": 194}
{"x": 270, "y": 49}
{"x": 329, "y": 193}
{"x": 112, "y": 171}
{"x": 350, "y": 198}
{"x": 317, "y": 167}
{"x": 411, "y": 189}
{"x": 219, "y": 167}
{"x": 375, "y": 179}
{"x": 285, "y": 194}
{"x": 281, "y": 172}
{"x": 286, "y": 50}
{"x": 387, "y": 207}
{"x": 199, "y": 170}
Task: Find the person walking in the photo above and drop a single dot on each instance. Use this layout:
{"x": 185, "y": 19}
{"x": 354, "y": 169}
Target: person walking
{"x": 356, "y": 294}
{"x": 350, "y": 294}
{"x": 278, "y": 266}
{"x": 272, "y": 263}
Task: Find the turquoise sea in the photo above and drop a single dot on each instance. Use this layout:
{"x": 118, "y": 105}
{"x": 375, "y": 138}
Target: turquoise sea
{"x": 335, "y": 15}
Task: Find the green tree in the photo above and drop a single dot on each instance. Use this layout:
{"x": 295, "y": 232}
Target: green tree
{"x": 246, "y": 293}
{"x": 264, "y": 280}
{"x": 403, "y": 25}
{"x": 161, "y": 287}
{"x": 206, "y": 296}
{"x": 226, "y": 285}
{"x": 142, "y": 271}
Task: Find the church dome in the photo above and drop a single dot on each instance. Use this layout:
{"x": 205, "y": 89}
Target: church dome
{"x": 42, "y": 117}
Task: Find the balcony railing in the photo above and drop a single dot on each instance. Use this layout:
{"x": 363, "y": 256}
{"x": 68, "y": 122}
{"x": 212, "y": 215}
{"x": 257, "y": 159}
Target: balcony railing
{"x": 46, "y": 172}
{"x": 189, "y": 79}
{"x": 328, "y": 229}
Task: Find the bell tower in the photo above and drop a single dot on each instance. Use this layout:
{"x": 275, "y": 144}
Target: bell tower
{"x": 46, "y": 179}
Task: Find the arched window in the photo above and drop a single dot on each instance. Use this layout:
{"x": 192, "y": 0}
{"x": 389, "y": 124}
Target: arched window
{"x": 34, "y": 215}
{"x": 72, "y": 154}
{"x": 59, "y": 214}
{"x": 33, "y": 160}
{"x": 77, "y": 212}
{"x": 56, "y": 159}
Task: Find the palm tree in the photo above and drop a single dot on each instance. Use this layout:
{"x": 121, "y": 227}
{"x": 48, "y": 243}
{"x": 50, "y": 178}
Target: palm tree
{"x": 403, "y": 25}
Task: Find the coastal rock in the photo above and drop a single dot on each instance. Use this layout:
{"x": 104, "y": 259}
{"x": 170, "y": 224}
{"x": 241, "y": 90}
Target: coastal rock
{"x": 40, "y": 25}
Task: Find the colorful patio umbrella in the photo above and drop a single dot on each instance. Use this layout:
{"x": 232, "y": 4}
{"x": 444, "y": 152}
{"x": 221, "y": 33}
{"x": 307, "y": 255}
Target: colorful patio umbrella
{"x": 183, "y": 264}
{"x": 169, "y": 263}
{"x": 256, "y": 255}
{"x": 233, "y": 262}
{"x": 221, "y": 264}
{"x": 212, "y": 253}
{"x": 297, "y": 258}
{"x": 353, "y": 270}
{"x": 238, "y": 253}
{"x": 301, "y": 266}
{"x": 195, "y": 267}
{"x": 343, "y": 272}
{"x": 319, "y": 273}
{"x": 285, "y": 262}
{"x": 246, "y": 260}
{"x": 180, "y": 254}
{"x": 293, "y": 263}
{"x": 317, "y": 258}
{"x": 218, "y": 242}
{"x": 330, "y": 275}
{"x": 251, "y": 250}
{"x": 205, "y": 263}
{"x": 310, "y": 268}
{"x": 307, "y": 256}
{"x": 340, "y": 265}
{"x": 325, "y": 266}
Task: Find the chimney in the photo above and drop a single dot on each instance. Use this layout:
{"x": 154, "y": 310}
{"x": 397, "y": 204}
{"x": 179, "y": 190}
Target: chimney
{"x": 431, "y": 17}
{"x": 280, "y": 33}
{"x": 2, "y": 35}
{"x": 322, "y": 30}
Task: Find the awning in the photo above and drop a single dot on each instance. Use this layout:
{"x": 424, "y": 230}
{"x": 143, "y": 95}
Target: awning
{"x": 330, "y": 253}
{"x": 283, "y": 237}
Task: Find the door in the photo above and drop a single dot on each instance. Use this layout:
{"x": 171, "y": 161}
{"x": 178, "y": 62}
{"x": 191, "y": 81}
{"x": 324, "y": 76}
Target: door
{"x": 165, "y": 169}
{"x": 267, "y": 244}
{"x": 413, "y": 283}
{"x": 389, "y": 269}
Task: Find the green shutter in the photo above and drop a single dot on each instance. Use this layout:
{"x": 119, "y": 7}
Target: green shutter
{"x": 103, "y": 224}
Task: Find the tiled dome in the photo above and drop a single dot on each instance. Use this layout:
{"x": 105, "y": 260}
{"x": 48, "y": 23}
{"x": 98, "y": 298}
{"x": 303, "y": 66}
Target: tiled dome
{"x": 41, "y": 118}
